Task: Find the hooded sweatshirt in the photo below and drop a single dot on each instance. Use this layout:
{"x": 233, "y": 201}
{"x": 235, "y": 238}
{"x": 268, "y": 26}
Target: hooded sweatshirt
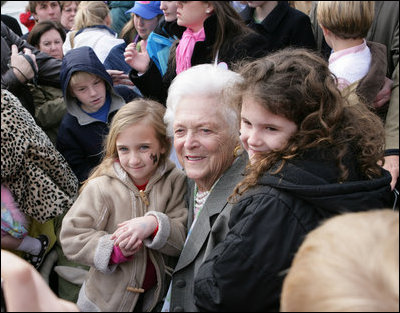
{"x": 245, "y": 272}
{"x": 80, "y": 136}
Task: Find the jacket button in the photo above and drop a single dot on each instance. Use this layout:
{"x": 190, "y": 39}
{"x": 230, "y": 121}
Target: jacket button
{"x": 180, "y": 283}
{"x": 178, "y": 309}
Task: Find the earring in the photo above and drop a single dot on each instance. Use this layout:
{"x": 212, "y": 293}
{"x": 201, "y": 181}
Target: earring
{"x": 208, "y": 11}
{"x": 237, "y": 151}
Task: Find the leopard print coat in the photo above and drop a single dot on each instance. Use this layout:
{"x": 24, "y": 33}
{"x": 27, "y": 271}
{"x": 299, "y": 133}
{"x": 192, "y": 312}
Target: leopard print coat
{"x": 38, "y": 176}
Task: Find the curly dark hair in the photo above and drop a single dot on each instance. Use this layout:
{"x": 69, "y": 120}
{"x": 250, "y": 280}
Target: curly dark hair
{"x": 296, "y": 83}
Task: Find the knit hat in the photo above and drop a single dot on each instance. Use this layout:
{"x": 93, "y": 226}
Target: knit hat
{"x": 146, "y": 9}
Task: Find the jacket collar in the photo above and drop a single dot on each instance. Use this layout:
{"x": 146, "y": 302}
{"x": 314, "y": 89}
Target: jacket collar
{"x": 215, "y": 204}
{"x": 272, "y": 21}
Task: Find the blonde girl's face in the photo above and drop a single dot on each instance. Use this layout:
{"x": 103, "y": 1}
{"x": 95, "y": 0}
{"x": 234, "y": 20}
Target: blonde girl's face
{"x": 139, "y": 151}
{"x": 144, "y": 27}
{"x": 260, "y": 130}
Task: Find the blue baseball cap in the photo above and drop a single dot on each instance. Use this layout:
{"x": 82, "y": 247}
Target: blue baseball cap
{"x": 146, "y": 9}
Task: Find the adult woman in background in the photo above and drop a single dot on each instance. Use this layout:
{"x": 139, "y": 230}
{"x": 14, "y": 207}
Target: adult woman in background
{"x": 48, "y": 37}
{"x": 68, "y": 12}
{"x": 214, "y": 33}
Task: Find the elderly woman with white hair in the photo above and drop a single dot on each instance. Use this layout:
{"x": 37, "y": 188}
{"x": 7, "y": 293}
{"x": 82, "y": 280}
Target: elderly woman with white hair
{"x": 205, "y": 129}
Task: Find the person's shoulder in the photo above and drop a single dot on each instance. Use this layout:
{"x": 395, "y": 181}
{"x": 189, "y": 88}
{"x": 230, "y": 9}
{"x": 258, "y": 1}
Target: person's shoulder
{"x": 296, "y": 14}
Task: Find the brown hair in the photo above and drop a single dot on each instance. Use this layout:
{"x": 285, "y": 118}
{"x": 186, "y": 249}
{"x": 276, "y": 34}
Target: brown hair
{"x": 230, "y": 29}
{"x": 40, "y": 28}
{"x": 297, "y": 84}
{"x": 33, "y": 4}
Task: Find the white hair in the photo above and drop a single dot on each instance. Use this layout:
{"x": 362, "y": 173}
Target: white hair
{"x": 204, "y": 79}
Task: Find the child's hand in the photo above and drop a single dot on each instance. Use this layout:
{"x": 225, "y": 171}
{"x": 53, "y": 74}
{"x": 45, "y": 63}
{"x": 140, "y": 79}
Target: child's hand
{"x": 130, "y": 234}
{"x": 137, "y": 60}
{"x": 127, "y": 253}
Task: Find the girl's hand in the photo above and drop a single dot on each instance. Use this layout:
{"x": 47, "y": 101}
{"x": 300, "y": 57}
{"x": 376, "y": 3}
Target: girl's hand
{"x": 130, "y": 234}
{"x": 138, "y": 60}
{"x": 127, "y": 253}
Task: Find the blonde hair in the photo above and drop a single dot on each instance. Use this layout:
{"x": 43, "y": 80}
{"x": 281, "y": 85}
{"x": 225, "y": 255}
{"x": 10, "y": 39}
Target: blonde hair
{"x": 131, "y": 113}
{"x": 346, "y": 19}
{"x": 348, "y": 264}
{"x": 90, "y": 13}
{"x": 79, "y": 76}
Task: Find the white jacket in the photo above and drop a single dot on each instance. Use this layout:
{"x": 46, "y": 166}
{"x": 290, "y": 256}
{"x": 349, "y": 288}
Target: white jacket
{"x": 100, "y": 38}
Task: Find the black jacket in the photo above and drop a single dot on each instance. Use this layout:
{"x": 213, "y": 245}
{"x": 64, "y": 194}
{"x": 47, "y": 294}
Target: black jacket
{"x": 283, "y": 27}
{"x": 48, "y": 68}
{"x": 152, "y": 85}
{"x": 245, "y": 272}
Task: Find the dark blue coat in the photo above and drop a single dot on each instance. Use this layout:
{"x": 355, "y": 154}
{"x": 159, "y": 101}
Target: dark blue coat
{"x": 80, "y": 136}
{"x": 283, "y": 27}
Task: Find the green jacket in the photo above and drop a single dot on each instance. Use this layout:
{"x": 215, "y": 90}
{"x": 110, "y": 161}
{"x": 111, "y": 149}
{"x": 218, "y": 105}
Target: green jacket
{"x": 49, "y": 109}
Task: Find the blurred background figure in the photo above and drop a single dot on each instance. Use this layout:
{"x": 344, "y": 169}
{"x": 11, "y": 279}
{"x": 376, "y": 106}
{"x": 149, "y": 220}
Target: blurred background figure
{"x": 68, "y": 12}
{"x": 44, "y": 11}
{"x": 145, "y": 16}
{"x": 118, "y": 16}
{"x": 25, "y": 290}
{"x": 92, "y": 29}
{"x": 348, "y": 264}
{"x": 48, "y": 37}
{"x": 280, "y": 24}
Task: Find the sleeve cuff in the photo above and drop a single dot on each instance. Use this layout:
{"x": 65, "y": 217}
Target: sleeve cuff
{"x": 391, "y": 152}
{"x": 163, "y": 231}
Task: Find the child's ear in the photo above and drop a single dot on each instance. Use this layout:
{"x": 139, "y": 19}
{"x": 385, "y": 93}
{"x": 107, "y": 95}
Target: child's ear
{"x": 325, "y": 30}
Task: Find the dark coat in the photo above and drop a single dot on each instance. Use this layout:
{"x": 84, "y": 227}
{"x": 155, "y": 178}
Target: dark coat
{"x": 152, "y": 85}
{"x": 48, "y": 68}
{"x": 283, "y": 27}
{"x": 80, "y": 136}
{"x": 245, "y": 272}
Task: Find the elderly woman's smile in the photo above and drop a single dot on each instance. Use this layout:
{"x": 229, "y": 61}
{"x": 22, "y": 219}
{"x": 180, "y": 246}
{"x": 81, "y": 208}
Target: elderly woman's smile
{"x": 202, "y": 139}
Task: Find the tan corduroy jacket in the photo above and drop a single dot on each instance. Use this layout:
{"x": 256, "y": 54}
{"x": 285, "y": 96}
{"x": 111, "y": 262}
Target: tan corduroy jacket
{"x": 107, "y": 201}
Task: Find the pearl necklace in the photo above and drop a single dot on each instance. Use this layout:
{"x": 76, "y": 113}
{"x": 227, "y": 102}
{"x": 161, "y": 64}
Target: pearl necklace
{"x": 199, "y": 201}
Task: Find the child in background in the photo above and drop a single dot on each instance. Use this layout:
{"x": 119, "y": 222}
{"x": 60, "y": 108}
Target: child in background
{"x": 92, "y": 24}
{"x": 359, "y": 65}
{"x": 14, "y": 231}
{"x": 134, "y": 197}
{"x": 312, "y": 156}
{"x": 91, "y": 103}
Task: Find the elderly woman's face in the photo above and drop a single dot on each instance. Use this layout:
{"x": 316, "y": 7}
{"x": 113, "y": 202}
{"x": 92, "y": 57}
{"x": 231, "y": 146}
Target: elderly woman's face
{"x": 202, "y": 139}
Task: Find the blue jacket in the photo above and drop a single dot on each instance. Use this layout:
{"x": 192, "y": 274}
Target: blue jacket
{"x": 80, "y": 136}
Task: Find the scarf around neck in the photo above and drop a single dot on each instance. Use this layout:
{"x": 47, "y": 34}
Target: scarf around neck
{"x": 185, "y": 48}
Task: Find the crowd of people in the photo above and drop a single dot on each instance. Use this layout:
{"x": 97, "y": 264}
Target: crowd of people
{"x": 200, "y": 156}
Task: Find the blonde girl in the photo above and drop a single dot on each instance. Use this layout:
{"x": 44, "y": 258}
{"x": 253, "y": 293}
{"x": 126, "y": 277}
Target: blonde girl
{"x": 129, "y": 219}
{"x": 92, "y": 24}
